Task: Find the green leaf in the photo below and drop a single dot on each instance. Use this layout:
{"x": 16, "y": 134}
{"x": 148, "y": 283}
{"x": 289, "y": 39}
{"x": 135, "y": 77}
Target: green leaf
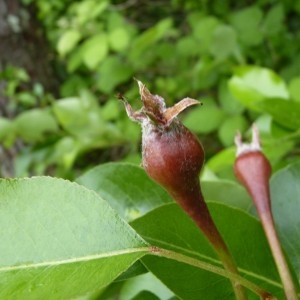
{"x": 68, "y": 41}
{"x": 66, "y": 151}
{"x": 145, "y": 282}
{"x": 252, "y": 84}
{"x": 119, "y": 39}
{"x": 227, "y": 192}
{"x": 81, "y": 117}
{"x": 149, "y": 37}
{"x": 60, "y": 240}
{"x": 204, "y": 119}
{"x": 229, "y": 128}
{"x": 170, "y": 228}
{"x": 285, "y": 195}
{"x": 88, "y": 10}
{"x": 6, "y": 128}
{"x": 247, "y": 23}
{"x": 112, "y": 72}
{"x": 286, "y": 113}
{"x": 95, "y": 50}
{"x": 294, "y": 88}
{"x": 223, "y": 42}
{"x": 228, "y": 103}
{"x": 222, "y": 160}
{"x": 33, "y": 124}
{"x": 186, "y": 47}
{"x": 126, "y": 187}
{"x": 203, "y": 30}
{"x": 110, "y": 110}
{"x": 145, "y": 295}
{"x": 274, "y": 20}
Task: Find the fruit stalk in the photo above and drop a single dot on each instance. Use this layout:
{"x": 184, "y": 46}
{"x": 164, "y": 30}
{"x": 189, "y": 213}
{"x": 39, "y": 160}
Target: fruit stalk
{"x": 173, "y": 157}
{"x": 253, "y": 170}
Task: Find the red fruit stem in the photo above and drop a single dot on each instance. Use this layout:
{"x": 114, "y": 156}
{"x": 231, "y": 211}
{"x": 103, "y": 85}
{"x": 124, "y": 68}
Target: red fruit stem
{"x": 282, "y": 266}
{"x": 199, "y": 212}
{"x": 253, "y": 170}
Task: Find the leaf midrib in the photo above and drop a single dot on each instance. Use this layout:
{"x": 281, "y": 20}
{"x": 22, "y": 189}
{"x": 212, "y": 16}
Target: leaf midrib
{"x": 75, "y": 259}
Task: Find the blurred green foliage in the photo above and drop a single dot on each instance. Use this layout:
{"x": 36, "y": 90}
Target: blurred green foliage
{"x": 241, "y": 60}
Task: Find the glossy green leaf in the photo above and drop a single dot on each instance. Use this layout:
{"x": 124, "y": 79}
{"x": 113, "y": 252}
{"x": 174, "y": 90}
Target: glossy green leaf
{"x": 252, "y": 84}
{"x": 170, "y": 228}
{"x": 286, "y": 113}
{"x": 285, "y": 194}
{"x": 68, "y": 41}
{"x": 126, "y": 187}
{"x": 60, "y": 240}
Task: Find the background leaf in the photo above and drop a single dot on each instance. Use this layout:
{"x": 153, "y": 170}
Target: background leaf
{"x": 226, "y": 192}
{"x": 60, "y": 240}
{"x": 285, "y": 193}
{"x": 170, "y": 228}
{"x": 223, "y": 42}
{"x": 204, "y": 119}
{"x": 247, "y": 24}
{"x": 251, "y": 84}
{"x": 286, "y": 113}
{"x": 126, "y": 187}
{"x": 68, "y": 41}
{"x": 230, "y": 127}
{"x": 32, "y": 125}
{"x": 146, "y": 282}
{"x": 95, "y": 50}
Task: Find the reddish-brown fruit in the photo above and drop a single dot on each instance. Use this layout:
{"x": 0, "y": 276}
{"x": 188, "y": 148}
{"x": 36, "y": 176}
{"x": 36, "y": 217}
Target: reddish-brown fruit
{"x": 253, "y": 170}
{"x": 172, "y": 155}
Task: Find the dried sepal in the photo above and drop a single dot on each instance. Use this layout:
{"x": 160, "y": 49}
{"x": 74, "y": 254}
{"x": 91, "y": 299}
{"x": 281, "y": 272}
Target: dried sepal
{"x": 172, "y": 112}
{"x": 137, "y": 116}
{"x": 153, "y": 105}
{"x": 246, "y": 147}
{"x": 154, "y": 108}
